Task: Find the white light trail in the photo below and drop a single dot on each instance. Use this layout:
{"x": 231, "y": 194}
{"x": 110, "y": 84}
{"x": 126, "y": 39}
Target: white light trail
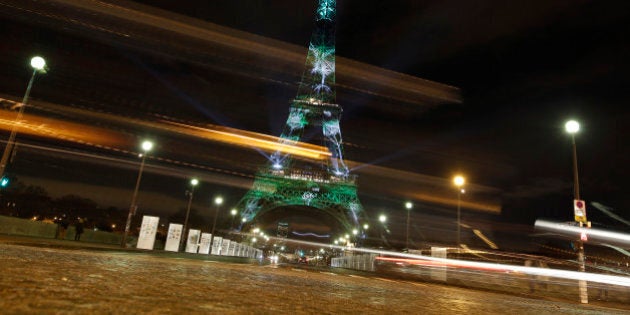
{"x": 455, "y": 263}
{"x": 577, "y": 231}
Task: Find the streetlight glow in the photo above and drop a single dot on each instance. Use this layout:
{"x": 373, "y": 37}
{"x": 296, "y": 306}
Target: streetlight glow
{"x": 147, "y": 146}
{"x": 194, "y": 182}
{"x": 459, "y": 180}
{"x": 572, "y": 126}
{"x": 382, "y": 218}
{"x": 38, "y": 63}
{"x": 233, "y": 212}
{"x": 366, "y": 226}
{"x": 218, "y": 200}
{"x": 408, "y": 205}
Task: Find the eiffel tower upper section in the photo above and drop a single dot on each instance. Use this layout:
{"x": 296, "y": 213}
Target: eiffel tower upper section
{"x": 315, "y": 104}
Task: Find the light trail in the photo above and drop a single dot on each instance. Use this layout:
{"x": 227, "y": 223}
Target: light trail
{"x": 475, "y": 265}
{"x": 56, "y": 128}
{"x": 576, "y": 231}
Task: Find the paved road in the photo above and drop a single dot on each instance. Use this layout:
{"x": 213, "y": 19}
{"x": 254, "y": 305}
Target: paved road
{"x": 49, "y": 280}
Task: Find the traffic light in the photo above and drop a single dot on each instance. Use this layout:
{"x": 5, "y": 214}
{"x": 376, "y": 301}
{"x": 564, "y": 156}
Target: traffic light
{"x": 4, "y": 182}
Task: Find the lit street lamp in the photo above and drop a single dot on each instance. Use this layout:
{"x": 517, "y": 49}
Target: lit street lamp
{"x": 133, "y": 207}
{"x": 572, "y": 127}
{"x": 382, "y": 218}
{"x": 459, "y": 182}
{"x": 408, "y": 205}
{"x": 193, "y": 183}
{"x": 217, "y": 201}
{"x": 233, "y": 212}
{"x": 39, "y": 66}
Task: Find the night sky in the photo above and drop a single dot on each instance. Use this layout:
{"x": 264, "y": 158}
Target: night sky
{"x": 523, "y": 69}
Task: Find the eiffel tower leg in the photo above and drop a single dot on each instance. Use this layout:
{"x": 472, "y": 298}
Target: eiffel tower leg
{"x": 292, "y": 132}
{"x": 332, "y": 132}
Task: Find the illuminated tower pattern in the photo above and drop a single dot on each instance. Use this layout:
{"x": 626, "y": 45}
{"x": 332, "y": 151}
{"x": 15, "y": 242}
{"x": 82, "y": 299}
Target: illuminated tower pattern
{"x": 328, "y": 186}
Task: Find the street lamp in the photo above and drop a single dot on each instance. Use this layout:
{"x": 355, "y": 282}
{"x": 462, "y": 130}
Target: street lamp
{"x": 133, "y": 207}
{"x": 233, "y": 212}
{"x": 572, "y": 127}
{"x": 382, "y": 218}
{"x": 408, "y": 205}
{"x": 39, "y": 66}
{"x": 459, "y": 182}
{"x": 217, "y": 201}
{"x": 193, "y": 183}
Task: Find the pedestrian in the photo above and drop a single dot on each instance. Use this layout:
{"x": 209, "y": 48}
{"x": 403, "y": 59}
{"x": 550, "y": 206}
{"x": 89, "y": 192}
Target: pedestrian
{"x": 79, "y": 230}
{"x": 63, "y": 228}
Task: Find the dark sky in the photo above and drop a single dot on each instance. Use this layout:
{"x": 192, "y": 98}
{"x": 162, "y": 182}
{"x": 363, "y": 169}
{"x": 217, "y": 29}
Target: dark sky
{"x": 523, "y": 67}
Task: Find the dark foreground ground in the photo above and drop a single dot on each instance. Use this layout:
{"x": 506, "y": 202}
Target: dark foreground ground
{"x": 57, "y": 277}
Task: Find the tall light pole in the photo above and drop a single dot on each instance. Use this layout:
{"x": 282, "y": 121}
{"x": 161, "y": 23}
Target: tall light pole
{"x": 408, "y": 205}
{"x": 382, "y": 218}
{"x": 459, "y": 182}
{"x": 572, "y": 127}
{"x": 39, "y": 66}
{"x": 193, "y": 183}
{"x": 233, "y": 213}
{"x": 146, "y": 147}
{"x": 217, "y": 201}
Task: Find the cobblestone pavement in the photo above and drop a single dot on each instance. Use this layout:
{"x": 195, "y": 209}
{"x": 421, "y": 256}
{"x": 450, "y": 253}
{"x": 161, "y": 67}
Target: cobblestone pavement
{"x": 46, "y": 280}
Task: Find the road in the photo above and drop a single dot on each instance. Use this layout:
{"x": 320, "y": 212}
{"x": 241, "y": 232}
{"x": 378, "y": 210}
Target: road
{"x": 52, "y": 280}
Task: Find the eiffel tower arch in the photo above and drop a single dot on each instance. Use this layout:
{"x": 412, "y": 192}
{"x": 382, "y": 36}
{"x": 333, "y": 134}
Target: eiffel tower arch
{"x": 325, "y": 187}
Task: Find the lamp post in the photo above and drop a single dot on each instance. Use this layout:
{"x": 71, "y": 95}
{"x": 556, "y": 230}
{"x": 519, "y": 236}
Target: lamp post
{"x": 459, "y": 182}
{"x": 382, "y": 218}
{"x": 146, "y": 147}
{"x": 217, "y": 201}
{"x": 408, "y": 205}
{"x": 233, "y": 213}
{"x": 193, "y": 183}
{"x": 572, "y": 127}
{"x": 39, "y": 66}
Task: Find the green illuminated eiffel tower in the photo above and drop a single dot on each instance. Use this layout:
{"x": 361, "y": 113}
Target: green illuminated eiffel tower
{"x": 323, "y": 186}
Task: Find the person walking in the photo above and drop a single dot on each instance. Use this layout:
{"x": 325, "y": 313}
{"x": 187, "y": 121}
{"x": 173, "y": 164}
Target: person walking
{"x": 79, "y": 230}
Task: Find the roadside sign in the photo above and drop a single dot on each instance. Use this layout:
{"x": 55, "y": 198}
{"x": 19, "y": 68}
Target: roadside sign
{"x": 579, "y": 210}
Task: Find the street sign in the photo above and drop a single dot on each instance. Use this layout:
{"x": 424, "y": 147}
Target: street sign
{"x": 579, "y": 210}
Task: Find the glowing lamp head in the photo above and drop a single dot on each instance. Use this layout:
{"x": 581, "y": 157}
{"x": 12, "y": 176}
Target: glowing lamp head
{"x": 408, "y": 205}
{"x": 459, "y": 181}
{"x": 147, "y": 146}
{"x": 218, "y": 200}
{"x": 382, "y": 218}
{"x": 572, "y": 126}
{"x": 233, "y": 212}
{"x": 355, "y": 232}
{"x": 194, "y": 182}
{"x": 366, "y": 226}
{"x": 38, "y": 63}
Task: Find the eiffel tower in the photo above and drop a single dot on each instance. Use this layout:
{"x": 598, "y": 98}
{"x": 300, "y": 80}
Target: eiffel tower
{"x": 290, "y": 183}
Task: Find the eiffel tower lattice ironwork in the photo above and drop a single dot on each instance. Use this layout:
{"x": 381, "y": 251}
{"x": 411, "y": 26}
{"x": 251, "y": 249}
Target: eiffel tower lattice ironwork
{"x": 328, "y": 186}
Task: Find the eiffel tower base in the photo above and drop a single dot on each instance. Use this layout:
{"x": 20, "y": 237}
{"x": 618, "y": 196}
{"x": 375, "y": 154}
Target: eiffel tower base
{"x": 332, "y": 195}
